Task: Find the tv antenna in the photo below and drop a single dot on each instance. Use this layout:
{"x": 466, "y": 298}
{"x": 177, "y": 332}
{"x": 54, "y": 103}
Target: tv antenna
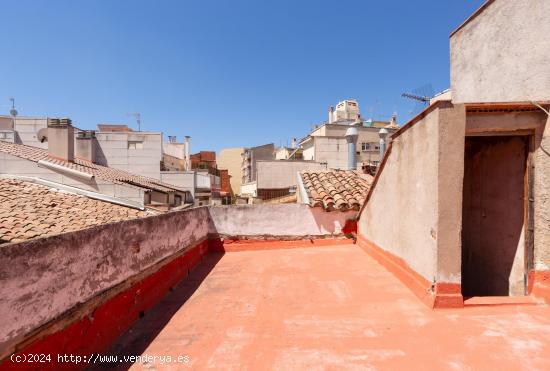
{"x": 13, "y": 111}
{"x": 137, "y": 116}
{"x": 421, "y": 95}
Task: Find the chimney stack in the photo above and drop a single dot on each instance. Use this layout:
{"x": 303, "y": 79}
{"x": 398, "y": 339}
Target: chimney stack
{"x": 85, "y": 145}
{"x": 61, "y": 139}
{"x": 351, "y": 137}
{"x": 187, "y": 153}
{"x": 294, "y": 143}
{"x": 330, "y": 114}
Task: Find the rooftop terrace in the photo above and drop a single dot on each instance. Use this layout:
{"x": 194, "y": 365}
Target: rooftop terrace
{"x": 330, "y": 307}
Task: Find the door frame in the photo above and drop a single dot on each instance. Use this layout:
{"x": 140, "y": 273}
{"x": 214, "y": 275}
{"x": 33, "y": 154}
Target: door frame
{"x": 528, "y": 196}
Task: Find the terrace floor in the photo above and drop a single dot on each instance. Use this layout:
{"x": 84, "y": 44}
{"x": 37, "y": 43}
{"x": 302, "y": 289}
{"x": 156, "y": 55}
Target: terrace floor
{"x": 326, "y": 308}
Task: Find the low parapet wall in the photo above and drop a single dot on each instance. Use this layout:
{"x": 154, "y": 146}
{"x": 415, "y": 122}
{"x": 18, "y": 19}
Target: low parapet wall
{"x": 43, "y": 279}
{"x": 288, "y": 221}
{"x": 75, "y": 293}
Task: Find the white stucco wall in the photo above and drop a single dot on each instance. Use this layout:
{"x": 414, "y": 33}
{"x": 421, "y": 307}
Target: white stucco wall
{"x": 113, "y": 151}
{"x": 503, "y": 54}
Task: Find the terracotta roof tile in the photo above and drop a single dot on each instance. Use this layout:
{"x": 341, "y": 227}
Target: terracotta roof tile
{"x": 102, "y": 172}
{"x": 29, "y": 210}
{"x": 336, "y": 189}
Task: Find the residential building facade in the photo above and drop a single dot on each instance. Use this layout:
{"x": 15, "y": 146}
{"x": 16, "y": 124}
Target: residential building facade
{"x": 277, "y": 178}
{"x": 231, "y": 160}
{"x": 249, "y": 158}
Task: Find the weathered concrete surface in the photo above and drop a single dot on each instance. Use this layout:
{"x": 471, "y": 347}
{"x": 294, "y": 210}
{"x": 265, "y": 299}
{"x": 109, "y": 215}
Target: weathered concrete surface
{"x": 503, "y": 54}
{"x": 288, "y": 220}
{"x": 542, "y": 199}
{"x": 401, "y": 216}
{"x": 450, "y": 168}
{"x": 43, "y": 278}
{"x": 416, "y": 206}
{"x": 326, "y": 308}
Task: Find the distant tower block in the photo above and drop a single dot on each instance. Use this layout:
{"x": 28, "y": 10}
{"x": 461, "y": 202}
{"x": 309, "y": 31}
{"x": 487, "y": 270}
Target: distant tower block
{"x": 347, "y": 110}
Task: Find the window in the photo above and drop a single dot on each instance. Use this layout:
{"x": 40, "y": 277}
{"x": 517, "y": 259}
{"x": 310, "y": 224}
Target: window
{"x": 135, "y": 145}
{"x": 372, "y": 146}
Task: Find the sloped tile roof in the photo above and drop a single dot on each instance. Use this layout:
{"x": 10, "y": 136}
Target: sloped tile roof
{"x": 102, "y": 172}
{"x": 336, "y": 189}
{"x": 29, "y": 210}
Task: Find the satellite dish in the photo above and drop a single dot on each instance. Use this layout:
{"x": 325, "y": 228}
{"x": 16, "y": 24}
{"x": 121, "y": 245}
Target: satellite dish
{"x": 42, "y": 135}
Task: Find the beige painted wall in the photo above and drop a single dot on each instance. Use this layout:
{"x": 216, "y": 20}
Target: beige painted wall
{"x": 231, "y": 159}
{"x": 415, "y": 209}
{"x": 503, "y": 54}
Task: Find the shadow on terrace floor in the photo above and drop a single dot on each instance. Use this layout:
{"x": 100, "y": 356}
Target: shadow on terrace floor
{"x": 136, "y": 340}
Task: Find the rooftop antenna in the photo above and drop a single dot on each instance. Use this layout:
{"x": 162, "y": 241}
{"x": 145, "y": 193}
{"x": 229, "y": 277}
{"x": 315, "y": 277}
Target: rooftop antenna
{"x": 421, "y": 95}
{"x": 13, "y": 111}
{"x": 137, "y": 116}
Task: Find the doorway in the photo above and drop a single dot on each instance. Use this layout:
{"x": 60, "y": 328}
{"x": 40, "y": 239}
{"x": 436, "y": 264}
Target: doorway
{"x": 493, "y": 216}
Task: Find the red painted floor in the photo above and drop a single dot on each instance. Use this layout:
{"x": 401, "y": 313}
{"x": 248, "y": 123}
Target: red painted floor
{"x": 326, "y": 308}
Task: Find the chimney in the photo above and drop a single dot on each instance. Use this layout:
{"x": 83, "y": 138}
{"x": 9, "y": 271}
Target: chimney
{"x": 61, "y": 139}
{"x": 351, "y": 137}
{"x": 85, "y": 145}
{"x": 187, "y": 153}
{"x": 330, "y": 114}
{"x": 294, "y": 143}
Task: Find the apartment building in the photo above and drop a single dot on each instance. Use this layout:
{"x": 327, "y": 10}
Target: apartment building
{"x": 249, "y": 158}
{"x": 277, "y": 178}
{"x": 231, "y": 159}
{"x": 68, "y": 166}
{"x": 327, "y": 142}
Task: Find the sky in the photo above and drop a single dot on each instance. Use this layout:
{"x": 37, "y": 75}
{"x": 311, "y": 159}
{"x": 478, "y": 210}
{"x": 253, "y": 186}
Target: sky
{"x": 228, "y": 73}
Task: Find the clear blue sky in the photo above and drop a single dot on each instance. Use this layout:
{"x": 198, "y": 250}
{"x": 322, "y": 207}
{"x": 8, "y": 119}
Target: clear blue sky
{"x": 228, "y": 73}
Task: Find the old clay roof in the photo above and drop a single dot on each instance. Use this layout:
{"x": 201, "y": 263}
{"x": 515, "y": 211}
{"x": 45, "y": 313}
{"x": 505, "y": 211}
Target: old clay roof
{"x": 102, "y": 172}
{"x": 336, "y": 189}
{"x": 29, "y": 210}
